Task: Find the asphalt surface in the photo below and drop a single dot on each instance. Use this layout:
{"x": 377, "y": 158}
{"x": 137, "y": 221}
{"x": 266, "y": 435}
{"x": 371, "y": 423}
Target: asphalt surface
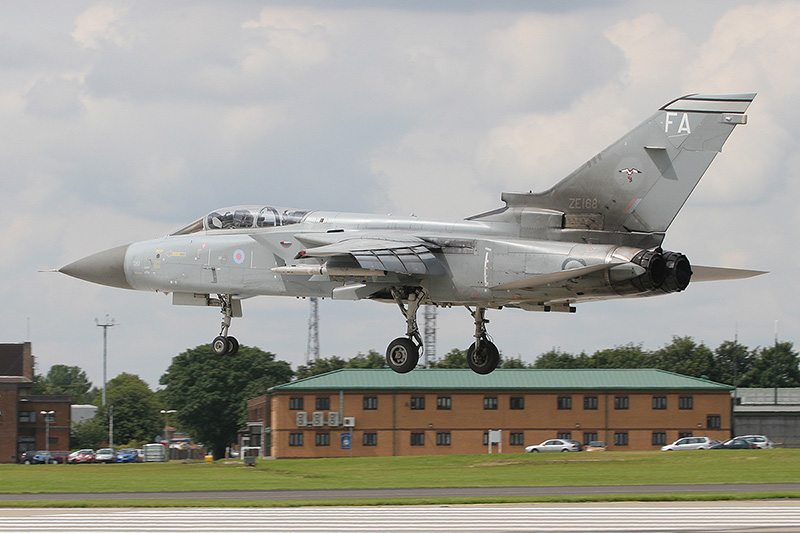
{"x": 356, "y": 494}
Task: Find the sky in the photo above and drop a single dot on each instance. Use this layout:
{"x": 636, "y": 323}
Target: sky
{"x": 122, "y": 121}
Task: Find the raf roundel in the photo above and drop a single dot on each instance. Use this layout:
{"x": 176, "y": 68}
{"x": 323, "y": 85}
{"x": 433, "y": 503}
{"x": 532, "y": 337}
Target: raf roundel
{"x": 238, "y": 257}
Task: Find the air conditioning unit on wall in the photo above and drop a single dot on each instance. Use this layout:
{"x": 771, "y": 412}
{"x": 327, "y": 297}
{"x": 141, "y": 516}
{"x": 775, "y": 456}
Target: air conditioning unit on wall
{"x": 349, "y": 421}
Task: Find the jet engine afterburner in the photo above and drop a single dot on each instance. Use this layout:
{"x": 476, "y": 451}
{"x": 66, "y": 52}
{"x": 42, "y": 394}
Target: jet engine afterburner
{"x": 663, "y": 272}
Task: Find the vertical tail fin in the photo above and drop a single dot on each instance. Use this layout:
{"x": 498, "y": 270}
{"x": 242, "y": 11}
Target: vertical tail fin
{"x": 640, "y": 182}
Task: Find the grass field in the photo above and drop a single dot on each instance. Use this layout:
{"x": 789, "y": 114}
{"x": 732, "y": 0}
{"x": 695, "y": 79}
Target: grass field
{"x": 609, "y": 468}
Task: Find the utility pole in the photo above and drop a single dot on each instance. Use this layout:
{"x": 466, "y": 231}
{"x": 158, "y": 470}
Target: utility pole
{"x": 108, "y": 323}
{"x": 312, "y": 346}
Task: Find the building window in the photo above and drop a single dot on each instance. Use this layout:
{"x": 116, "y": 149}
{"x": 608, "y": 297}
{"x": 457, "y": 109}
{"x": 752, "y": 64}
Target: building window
{"x": 27, "y": 416}
{"x": 490, "y": 402}
{"x": 686, "y": 402}
{"x": 516, "y": 439}
{"x": 621, "y": 402}
{"x": 295, "y": 439}
{"x": 713, "y": 421}
{"x": 683, "y": 434}
{"x": 589, "y": 437}
{"x": 565, "y": 402}
{"x": 323, "y": 439}
{"x": 296, "y": 404}
{"x": 442, "y": 439}
{"x": 418, "y": 403}
{"x": 323, "y": 403}
{"x": 659, "y": 438}
{"x": 620, "y": 439}
{"x": 370, "y": 439}
{"x": 370, "y": 403}
{"x": 444, "y": 403}
{"x": 590, "y": 403}
{"x": 659, "y": 402}
{"x": 566, "y": 435}
{"x": 517, "y": 403}
{"x": 418, "y": 439}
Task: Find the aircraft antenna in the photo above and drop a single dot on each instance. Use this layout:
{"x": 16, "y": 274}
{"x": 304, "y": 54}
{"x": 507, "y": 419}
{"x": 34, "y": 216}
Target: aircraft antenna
{"x": 430, "y": 334}
{"x": 312, "y": 346}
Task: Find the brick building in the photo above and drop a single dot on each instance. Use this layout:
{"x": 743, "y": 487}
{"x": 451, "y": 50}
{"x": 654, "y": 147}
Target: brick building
{"x": 425, "y": 412}
{"x": 23, "y": 427}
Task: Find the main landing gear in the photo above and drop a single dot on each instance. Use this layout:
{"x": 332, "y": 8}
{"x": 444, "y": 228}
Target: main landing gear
{"x": 224, "y": 344}
{"x": 402, "y": 355}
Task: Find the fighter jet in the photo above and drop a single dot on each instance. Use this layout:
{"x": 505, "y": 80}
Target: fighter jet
{"x": 595, "y": 235}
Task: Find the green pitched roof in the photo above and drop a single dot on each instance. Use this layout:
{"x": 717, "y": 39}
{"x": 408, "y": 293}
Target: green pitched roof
{"x": 527, "y": 379}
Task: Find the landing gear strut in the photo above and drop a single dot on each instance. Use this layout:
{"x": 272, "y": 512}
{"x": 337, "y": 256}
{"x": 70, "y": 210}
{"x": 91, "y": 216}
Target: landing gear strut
{"x": 482, "y": 356}
{"x": 402, "y": 355}
{"x": 224, "y": 344}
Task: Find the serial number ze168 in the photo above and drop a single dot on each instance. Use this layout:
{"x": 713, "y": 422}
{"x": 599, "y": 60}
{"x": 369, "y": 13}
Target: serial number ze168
{"x": 583, "y": 203}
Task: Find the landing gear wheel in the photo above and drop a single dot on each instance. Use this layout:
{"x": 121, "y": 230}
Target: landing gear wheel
{"x": 233, "y": 346}
{"x": 485, "y": 359}
{"x": 402, "y": 355}
{"x": 220, "y": 345}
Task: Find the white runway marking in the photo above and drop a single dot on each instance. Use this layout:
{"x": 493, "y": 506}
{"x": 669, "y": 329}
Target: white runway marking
{"x": 407, "y": 519}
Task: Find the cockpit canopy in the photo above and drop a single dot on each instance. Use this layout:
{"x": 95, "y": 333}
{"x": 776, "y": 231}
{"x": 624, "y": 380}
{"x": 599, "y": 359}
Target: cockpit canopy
{"x": 244, "y": 217}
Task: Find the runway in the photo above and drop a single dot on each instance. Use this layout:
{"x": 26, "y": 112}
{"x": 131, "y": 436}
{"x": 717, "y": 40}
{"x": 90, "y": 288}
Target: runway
{"x": 627, "y": 517}
{"x": 390, "y": 494}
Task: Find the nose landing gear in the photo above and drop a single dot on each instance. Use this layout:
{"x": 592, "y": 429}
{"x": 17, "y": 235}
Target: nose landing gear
{"x": 224, "y": 344}
{"x": 402, "y": 355}
{"x": 482, "y": 356}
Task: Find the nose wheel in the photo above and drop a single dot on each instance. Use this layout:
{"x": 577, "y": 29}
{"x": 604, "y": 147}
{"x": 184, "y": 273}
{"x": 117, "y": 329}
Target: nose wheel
{"x": 402, "y": 355}
{"x": 482, "y": 356}
{"x": 224, "y": 344}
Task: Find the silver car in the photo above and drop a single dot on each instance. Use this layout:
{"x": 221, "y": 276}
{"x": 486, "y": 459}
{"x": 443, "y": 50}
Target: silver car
{"x": 553, "y": 445}
{"x": 105, "y": 455}
{"x": 690, "y": 443}
{"x": 759, "y": 440}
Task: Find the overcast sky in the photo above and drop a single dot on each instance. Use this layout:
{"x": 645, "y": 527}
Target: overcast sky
{"x": 122, "y": 121}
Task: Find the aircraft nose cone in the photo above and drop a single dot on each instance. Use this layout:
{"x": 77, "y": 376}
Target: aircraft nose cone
{"x": 104, "y": 268}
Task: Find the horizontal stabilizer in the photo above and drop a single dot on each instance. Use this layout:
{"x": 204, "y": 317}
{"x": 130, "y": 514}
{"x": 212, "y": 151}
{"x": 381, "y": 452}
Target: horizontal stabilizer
{"x": 704, "y": 273}
{"x": 553, "y": 277}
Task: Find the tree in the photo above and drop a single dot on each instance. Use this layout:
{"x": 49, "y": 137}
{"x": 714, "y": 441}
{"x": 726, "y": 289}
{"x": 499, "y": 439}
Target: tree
{"x": 628, "y": 356}
{"x": 455, "y": 358}
{"x": 732, "y": 361}
{"x": 136, "y": 410}
{"x": 91, "y": 433}
{"x": 319, "y": 366}
{"x": 684, "y": 356}
{"x": 210, "y": 391}
{"x": 69, "y": 380}
{"x": 555, "y": 359}
{"x": 776, "y": 366}
{"x": 372, "y": 360}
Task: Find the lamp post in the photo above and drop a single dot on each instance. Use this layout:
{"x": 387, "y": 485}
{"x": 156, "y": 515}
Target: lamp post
{"x": 109, "y": 323}
{"x": 166, "y": 413}
{"x": 47, "y": 415}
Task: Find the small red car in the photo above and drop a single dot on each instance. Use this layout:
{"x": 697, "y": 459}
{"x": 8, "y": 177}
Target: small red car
{"x": 81, "y": 456}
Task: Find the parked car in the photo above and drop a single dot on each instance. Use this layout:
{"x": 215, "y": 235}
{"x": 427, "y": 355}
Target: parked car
{"x": 736, "y": 443}
{"x": 759, "y": 440}
{"x": 578, "y": 443}
{"x": 690, "y": 443}
{"x": 81, "y": 456}
{"x": 105, "y": 455}
{"x": 37, "y": 458}
{"x": 553, "y": 445}
{"x": 595, "y": 446}
{"x": 127, "y": 455}
{"x": 60, "y": 456}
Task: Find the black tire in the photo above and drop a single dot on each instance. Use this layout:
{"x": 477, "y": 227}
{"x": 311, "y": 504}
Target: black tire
{"x": 486, "y": 360}
{"x": 534, "y": 450}
{"x": 233, "y": 346}
{"x": 402, "y": 355}
{"x": 564, "y": 450}
{"x": 220, "y": 345}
